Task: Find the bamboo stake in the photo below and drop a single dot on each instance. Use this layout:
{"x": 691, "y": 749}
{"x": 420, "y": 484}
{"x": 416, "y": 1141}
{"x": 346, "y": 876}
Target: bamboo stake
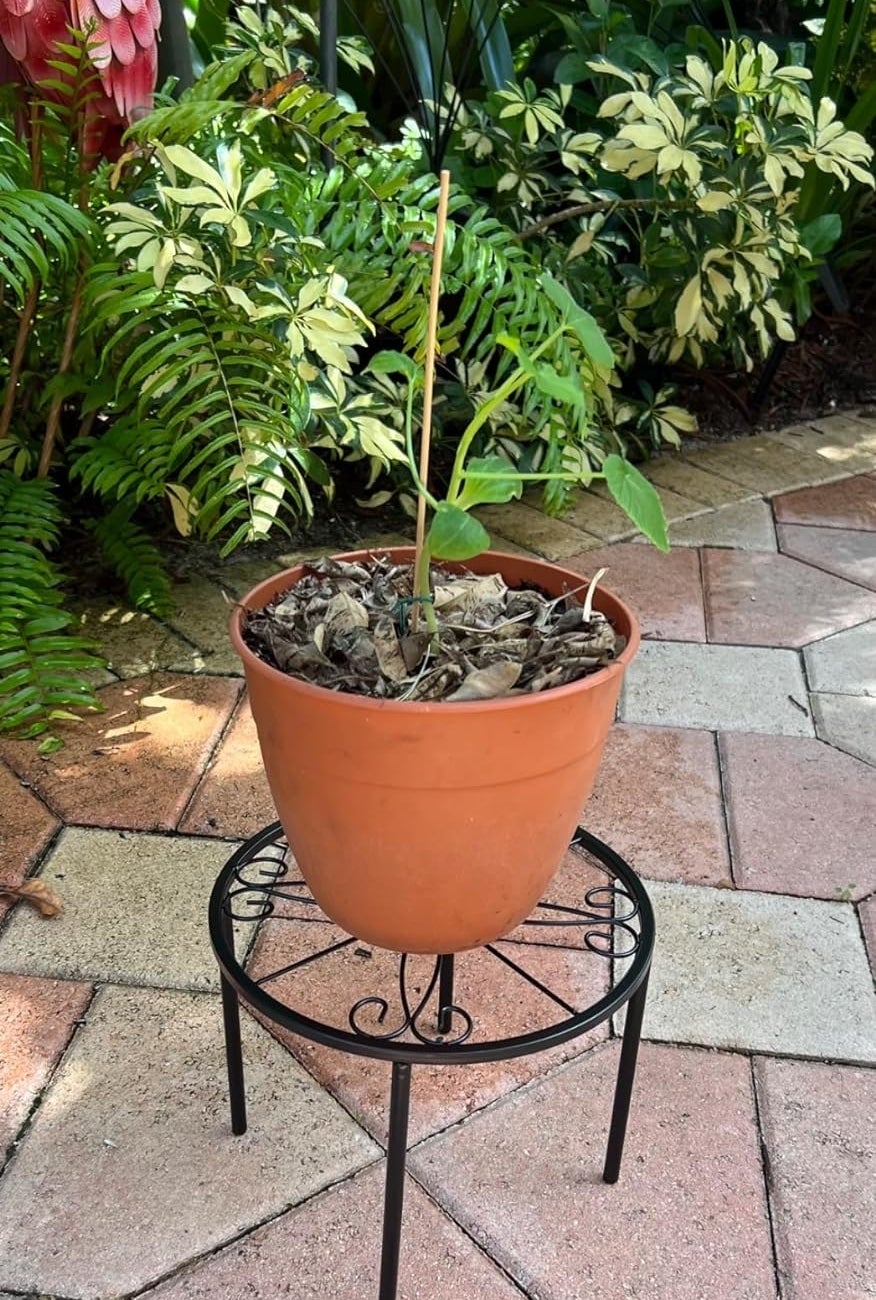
{"x": 429, "y": 378}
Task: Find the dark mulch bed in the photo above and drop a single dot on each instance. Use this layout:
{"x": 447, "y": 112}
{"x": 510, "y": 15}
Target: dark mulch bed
{"x": 831, "y": 367}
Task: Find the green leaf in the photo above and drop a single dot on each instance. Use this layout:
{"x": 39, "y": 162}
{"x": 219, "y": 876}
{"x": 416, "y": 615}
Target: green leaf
{"x": 488, "y": 479}
{"x": 51, "y": 744}
{"x": 393, "y": 363}
{"x": 590, "y": 335}
{"x": 820, "y": 235}
{"x": 454, "y": 535}
{"x": 635, "y": 495}
{"x": 562, "y": 387}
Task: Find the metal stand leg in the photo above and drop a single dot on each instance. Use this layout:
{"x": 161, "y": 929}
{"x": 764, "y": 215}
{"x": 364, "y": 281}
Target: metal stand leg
{"x": 445, "y": 994}
{"x": 233, "y": 1050}
{"x": 396, "y": 1159}
{"x": 624, "y": 1088}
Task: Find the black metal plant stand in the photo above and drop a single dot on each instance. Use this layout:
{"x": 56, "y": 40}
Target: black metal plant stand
{"x": 613, "y": 921}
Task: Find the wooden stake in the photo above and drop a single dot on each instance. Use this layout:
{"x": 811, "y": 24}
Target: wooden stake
{"x": 429, "y": 384}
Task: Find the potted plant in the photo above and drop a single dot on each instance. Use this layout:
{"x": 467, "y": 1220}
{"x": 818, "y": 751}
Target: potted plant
{"x": 434, "y": 824}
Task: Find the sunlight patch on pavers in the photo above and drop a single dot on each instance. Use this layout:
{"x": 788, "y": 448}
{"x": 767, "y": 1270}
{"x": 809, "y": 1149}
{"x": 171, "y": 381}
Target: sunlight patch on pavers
{"x": 847, "y": 441}
{"x": 716, "y": 687}
{"x": 687, "y": 1219}
{"x": 760, "y": 972}
{"x": 135, "y": 912}
{"x": 763, "y": 465}
{"x": 130, "y": 1167}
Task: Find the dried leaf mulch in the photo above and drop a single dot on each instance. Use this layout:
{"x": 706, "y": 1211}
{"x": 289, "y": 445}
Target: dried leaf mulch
{"x": 347, "y": 626}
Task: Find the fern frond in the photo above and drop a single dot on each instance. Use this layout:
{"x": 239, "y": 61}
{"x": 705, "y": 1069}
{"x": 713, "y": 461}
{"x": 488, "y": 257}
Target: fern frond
{"x": 42, "y": 665}
{"x": 204, "y": 398}
{"x": 38, "y": 233}
{"x": 127, "y": 549}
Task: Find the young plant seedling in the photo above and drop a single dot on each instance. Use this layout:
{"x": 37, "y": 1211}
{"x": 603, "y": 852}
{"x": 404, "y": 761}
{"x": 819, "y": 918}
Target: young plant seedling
{"x": 453, "y": 532}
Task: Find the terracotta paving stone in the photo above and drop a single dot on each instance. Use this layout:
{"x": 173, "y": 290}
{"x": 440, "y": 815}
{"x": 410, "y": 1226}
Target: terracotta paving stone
{"x": 36, "y": 1020}
{"x": 500, "y": 1002}
{"x": 760, "y": 972}
{"x": 800, "y": 816}
{"x": 233, "y": 798}
{"x": 844, "y": 664}
{"x": 135, "y": 765}
{"x": 687, "y": 1218}
{"x": 847, "y": 553}
{"x": 762, "y": 465}
{"x": 26, "y": 826}
{"x": 867, "y": 917}
{"x": 771, "y": 600}
{"x": 331, "y": 1248}
{"x": 135, "y": 911}
{"x": 819, "y": 1125}
{"x": 552, "y": 538}
{"x": 130, "y": 1167}
{"x": 664, "y": 590}
{"x": 850, "y": 503}
{"x": 657, "y": 801}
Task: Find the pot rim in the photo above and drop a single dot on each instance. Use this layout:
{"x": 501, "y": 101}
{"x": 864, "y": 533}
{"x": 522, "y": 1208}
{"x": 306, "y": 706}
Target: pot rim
{"x": 251, "y": 601}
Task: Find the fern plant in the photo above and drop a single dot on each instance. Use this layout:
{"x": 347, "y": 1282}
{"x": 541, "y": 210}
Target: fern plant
{"x": 42, "y": 663}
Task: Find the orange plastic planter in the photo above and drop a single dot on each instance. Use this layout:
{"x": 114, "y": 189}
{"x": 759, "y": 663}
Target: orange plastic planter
{"x": 430, "y": 827}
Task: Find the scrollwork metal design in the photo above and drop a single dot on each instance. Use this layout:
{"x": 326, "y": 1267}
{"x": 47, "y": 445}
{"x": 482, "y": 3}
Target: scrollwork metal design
{"x": 604, "y": 925}
{"x": 413, "y": 1016}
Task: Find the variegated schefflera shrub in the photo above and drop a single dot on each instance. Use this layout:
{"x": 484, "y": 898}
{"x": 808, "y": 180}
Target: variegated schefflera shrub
{"x": 673, "y": 208}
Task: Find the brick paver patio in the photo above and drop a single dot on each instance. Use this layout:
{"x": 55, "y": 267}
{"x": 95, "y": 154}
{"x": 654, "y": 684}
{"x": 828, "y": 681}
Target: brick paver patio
{"x": 740, "y": 782}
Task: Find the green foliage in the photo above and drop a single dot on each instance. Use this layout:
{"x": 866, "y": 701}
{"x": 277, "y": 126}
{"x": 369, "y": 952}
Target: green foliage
{"x": 671, "y": 204}
{"x": 41, "y": 661}
{"x": 39, "y": 234}
{"x": 129, "y": 552}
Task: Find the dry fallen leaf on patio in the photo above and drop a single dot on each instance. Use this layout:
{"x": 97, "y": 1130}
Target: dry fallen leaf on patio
{"x": 37, "y": 893}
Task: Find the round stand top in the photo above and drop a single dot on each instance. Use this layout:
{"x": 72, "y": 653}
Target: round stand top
{"x": 572, "y": 964}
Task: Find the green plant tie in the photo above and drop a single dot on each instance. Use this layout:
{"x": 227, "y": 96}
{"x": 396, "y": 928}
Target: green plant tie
{"x": 402, "y": 607}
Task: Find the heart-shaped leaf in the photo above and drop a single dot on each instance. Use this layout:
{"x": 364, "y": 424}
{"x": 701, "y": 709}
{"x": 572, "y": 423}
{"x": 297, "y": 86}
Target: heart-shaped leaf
{"x": 454, "y": 535}
{"x": 488, "y": 479}
{"x": 634, "y": 494}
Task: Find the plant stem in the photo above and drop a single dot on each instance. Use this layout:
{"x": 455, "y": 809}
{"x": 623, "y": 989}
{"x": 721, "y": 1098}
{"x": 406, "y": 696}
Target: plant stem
{"x": 24, "y": 326}
{"x": 511, "y": 384}
{"x": 587, "y": 209}
{"x": 421, "y": 567}
{"x": 53, "y": 420}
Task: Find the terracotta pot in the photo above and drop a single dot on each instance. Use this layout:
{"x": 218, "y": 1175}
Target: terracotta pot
{"x": 432, "y": 827}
